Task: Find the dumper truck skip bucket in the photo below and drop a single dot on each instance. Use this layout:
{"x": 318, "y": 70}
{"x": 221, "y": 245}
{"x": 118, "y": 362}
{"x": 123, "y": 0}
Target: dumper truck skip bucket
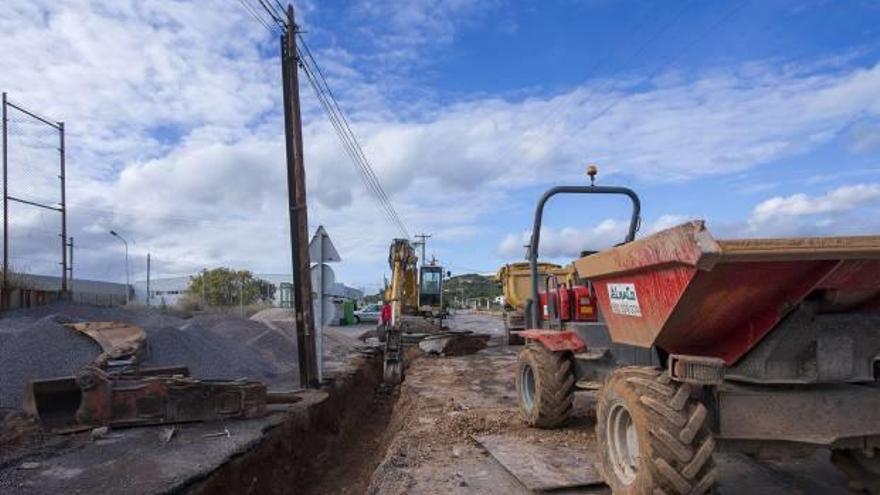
{"x": 687, "y": 293}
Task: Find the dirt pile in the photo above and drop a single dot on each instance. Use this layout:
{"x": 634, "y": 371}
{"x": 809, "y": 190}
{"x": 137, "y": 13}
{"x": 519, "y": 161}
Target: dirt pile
{"x": 454, "y": 344}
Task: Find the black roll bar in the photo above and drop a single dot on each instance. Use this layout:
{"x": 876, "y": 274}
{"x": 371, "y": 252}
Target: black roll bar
{"x": 535, "y": 313}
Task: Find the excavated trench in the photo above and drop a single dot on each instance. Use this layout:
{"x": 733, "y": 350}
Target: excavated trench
{"x": 331, "y": 446}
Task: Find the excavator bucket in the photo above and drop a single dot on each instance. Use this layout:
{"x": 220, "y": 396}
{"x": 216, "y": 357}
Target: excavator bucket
{"x": 55, "y": 402}
{"x": 115, "y": 391}
{"x": 122, "y": 344}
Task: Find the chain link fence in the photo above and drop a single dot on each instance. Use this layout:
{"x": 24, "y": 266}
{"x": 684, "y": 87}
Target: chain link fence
{"x": 34, "y": 205}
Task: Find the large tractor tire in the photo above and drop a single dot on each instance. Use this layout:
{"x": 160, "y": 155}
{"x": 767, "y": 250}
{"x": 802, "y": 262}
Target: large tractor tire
{"x": 545, "y": 385}
{"x": 654, "y": 438}
{"x": 862, "y": 471}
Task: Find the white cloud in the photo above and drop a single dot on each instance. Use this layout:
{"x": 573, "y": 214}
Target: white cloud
{"x": 567, "y": 243}
{"x": 846, "y": 210}
{"x": 210, "y": 188}
{"x": 840, "y": 200}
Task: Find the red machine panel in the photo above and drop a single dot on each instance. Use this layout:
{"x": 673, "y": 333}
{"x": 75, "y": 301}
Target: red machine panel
{"x": 689, "y": 294}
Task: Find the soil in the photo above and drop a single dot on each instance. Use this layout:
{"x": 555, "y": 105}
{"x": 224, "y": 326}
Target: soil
{"x": 358, "y": 436}
{"x": 446, "y": 401}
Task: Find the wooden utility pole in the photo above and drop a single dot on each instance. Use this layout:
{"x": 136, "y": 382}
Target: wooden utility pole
{"x": 299, "y": 223}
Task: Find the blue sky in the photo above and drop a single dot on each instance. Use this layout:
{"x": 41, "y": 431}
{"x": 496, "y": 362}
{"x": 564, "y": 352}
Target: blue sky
{"x": 761, "y": 117}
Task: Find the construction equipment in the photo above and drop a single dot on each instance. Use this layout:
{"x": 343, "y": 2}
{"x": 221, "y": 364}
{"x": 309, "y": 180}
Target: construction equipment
{"x": 153, "y": 396}
{"x": 402, "y": 294}
{"x": 114, "y": 390}
{"x": 514, "y": 281}
{"x": 411, "y": 293}
{"x": 431, "y": 290}
{"x": 760, "y": 344}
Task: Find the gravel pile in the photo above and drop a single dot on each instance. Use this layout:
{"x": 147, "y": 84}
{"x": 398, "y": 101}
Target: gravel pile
{"x": 207, "y": 355}
{"x": 34, "y": 344}
{"x": 42, "y": 349}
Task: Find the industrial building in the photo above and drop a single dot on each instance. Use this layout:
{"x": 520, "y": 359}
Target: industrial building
{"x": 37, "y": 290}
{"x": 168, "y": 291}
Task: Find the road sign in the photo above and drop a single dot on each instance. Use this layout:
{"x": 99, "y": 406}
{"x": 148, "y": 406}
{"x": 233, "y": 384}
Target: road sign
{"x": 321, "y": 248}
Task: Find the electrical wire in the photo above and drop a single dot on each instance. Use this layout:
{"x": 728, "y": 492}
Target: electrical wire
{"x": 330, "y": 105}
{"x": 337, "y": 116}
{"x": 272, "y": 13}
{"x": 353, "y": 150}
{"x": 254, "y": 14}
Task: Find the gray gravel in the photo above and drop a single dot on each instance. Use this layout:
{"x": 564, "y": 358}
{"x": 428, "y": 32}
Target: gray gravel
{"x": 43, "y": 349}
{"x": 34, "y": 345}
{"x": 207, "y": 354}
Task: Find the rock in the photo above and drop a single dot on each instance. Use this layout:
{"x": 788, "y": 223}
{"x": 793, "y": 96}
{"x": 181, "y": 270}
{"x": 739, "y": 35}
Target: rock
{"x": 165, "y": 434}
{"x": 451, "y": 344}
{"x": 100, "y": 432}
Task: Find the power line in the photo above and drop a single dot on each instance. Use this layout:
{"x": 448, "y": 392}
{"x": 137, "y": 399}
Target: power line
{"x": 253, "y": 14}
{"x": 329, "y": 103}
{"x": 277, "y": 17}
{"x": 337, "y": 117}
{"x": 351, "y": 149}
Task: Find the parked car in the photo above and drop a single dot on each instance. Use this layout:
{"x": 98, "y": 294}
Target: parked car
{"x": 368, "y": 314}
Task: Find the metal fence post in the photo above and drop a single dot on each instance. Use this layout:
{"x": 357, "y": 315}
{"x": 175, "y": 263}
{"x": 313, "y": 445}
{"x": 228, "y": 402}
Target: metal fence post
{"x": 4, "y": 292}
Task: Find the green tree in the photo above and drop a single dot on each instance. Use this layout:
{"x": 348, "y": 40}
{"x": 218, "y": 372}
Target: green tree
{"x": 228, "y": 287}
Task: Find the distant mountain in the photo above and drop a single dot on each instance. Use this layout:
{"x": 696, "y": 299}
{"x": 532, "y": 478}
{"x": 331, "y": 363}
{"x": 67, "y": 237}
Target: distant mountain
{"x": 461, "y": 287}
{"x": 471, "y": 285}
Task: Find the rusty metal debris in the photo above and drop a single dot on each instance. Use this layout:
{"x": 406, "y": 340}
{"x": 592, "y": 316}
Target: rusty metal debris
{"x": 115, "y": 391}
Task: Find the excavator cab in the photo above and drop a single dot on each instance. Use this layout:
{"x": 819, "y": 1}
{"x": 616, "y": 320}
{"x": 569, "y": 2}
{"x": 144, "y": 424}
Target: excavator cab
{"x": 431, "y": 289}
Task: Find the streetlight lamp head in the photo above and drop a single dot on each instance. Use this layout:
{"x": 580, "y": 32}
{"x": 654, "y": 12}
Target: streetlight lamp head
{"x": 113, "y": 232}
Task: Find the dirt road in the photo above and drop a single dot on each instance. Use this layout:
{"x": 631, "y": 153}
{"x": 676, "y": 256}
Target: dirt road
{"x": 445, "y": 402}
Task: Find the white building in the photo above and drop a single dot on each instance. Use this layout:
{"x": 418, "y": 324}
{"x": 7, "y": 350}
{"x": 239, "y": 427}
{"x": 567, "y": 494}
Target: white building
{"x": 168, "y": 291}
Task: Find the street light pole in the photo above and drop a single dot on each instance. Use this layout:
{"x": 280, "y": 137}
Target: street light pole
{"x": 127, "y": 275}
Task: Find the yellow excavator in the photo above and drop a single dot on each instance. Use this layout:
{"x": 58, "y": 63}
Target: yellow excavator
{"x": 413, "y": 291}
{"x": 402, "y": 295}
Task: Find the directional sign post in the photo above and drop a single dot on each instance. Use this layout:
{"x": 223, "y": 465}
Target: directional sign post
{"x": 322, "y": 250}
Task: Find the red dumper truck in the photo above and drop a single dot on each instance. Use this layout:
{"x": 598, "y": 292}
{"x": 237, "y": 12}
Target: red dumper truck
{"x": 692, "y": 341}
